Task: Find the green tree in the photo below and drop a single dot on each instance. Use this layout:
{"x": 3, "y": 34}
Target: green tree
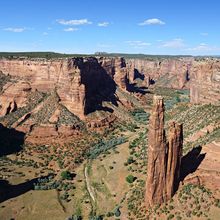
{"x": 130, "y": 178}
{"x": 66, "y": 175}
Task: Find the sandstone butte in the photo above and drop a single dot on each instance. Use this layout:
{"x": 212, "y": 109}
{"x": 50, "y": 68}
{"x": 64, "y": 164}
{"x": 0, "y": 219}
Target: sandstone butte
{"x": 164, "y": 156}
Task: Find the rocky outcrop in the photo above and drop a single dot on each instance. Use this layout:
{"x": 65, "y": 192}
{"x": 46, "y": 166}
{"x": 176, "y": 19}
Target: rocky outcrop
{"x": 205, "y": 81}
{"x": 164, "y": 156}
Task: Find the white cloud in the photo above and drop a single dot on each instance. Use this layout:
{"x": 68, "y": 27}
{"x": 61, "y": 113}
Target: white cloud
{"x": 204, "y": 34}
{"x": 137, "y": 43}
{"x": 175, "y": 43}
{"x": 152, "y": 21}
{"x": 16, "y": 30}
{"x": 71, "y": 29}
{"x": 74, "y": 22}
{"x": 103, "y": 24}
{"x": 203, "y": 48}
{"x": 45, "y": 33}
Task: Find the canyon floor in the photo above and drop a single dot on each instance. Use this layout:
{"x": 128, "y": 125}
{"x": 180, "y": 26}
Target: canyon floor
{"x": 102, "y": 175}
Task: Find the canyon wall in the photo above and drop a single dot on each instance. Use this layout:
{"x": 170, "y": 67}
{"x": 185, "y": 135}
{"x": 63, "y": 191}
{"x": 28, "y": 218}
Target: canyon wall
{"x": 84, "y": 83}
{"x": 201, "y": 76}
{"x": 79, "y": 82}
{"x": 205, "y": 81}
{"x": 164, "y": 156}
{"x": 175, "y": 71}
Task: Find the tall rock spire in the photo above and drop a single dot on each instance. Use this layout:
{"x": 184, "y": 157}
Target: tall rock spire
{"x": 156, "y": 169}
{"x": 164, "y": 157}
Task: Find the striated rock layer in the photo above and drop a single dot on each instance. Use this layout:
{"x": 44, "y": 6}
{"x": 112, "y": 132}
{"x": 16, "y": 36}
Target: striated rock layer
{"x": 164, "y": 156}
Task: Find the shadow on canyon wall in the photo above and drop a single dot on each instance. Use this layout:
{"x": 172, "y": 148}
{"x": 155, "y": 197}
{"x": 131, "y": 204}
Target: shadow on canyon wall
{"x": 100, "y": 87}
{"x": 138, "y": 75}
{"x": 11, "y": 140}
{"x": 190, "y": 162}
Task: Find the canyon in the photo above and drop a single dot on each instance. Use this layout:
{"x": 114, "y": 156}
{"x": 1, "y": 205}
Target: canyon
{"x": 106, "y": 116}
{"x": 82, "y": 86}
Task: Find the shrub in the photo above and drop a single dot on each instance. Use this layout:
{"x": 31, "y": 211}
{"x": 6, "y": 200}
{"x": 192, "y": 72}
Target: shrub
{"x": 66, "y": 175}
{"x": 117, "y": 212}
{"x": 130, "y": 178}
{"x": 109, "y": 214}
{"x": 130, "y": 160}
{"x": 171, "y": 216}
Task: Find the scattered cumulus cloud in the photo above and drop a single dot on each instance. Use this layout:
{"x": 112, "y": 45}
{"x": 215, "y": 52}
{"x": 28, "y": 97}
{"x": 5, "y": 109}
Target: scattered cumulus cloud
{"x": 175, "y": 43}
{"x": 137, "y": 43}
{"x": 74, "y": 22}
{"x": 71, "y": 29}
{"x": 15, "y": 30}
{"x": 152, "y": 21}
{"x": 103, "y": 24}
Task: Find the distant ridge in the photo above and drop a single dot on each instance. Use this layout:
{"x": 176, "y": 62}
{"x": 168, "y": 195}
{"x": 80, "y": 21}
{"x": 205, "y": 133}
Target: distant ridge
{"x": 53, "y": 55}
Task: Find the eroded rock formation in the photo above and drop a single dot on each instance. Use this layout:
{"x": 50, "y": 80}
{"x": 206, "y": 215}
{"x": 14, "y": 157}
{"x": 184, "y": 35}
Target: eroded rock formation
{"x": 164, "y": 156}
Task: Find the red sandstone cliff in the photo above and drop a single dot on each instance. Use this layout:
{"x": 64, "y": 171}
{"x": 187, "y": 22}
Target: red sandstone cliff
{"x": 205, "y": 81}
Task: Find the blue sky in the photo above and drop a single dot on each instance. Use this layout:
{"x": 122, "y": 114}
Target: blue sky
{"x": 128, "y": 26}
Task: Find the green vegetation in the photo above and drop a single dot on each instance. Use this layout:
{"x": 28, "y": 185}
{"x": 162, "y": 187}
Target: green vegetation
{"x": 103, "y": 146}
{"x": 66, "y": 175}
{"x": 140, "y": 115}
{"x": 172, "y": 96}
{"x": 117, "y": 212}
{"x": 130, "y": 178}
{"x": 45, "y": 55}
